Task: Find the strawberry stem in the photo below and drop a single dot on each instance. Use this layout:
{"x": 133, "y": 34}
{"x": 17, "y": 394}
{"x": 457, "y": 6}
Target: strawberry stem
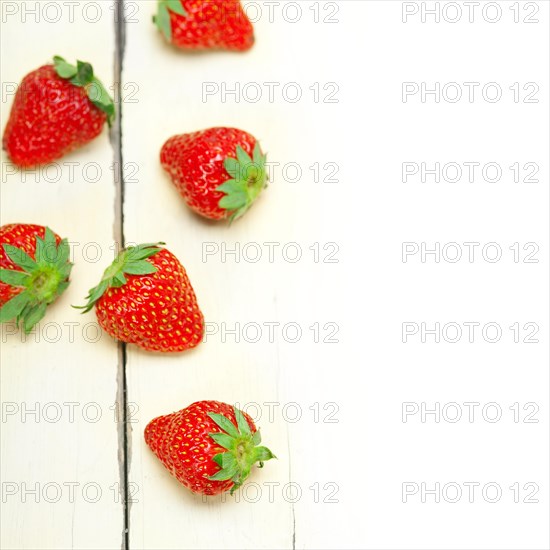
{"x": 130, "y": 261}
{"x": 243, "y": 449}
{"x": 248, "y": 180}
{"x": 82, "y": 75}
{"x": 41, "y": 279}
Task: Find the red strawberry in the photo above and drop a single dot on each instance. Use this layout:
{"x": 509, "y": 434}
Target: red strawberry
{"x": 56, "y": 109}
{"x": 219, "y": 172}
{"x": 34, "y": 272}
{"x": 210, "y": 446}
{"x": 205, "y": 24}
{"x": 145, "y": 298}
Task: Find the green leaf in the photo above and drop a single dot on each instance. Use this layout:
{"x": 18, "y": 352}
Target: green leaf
{"x": 45, "y": 279}
{"x": 231, "y": 186}
{"x": 225, "y": 460}
{"x": 99, "y": 290}
{"x": 93, "y": 296}
{"x": 257, "y": 154}
{"x": 218, "y": 459}
{"x": 142, "y": 251}
{"x": 84, "y": 74}
{"x": 228, "y": 459}
{"x": 130, "y": 261}
{"x": 256, "y": 438}
{"x": 120, "y": 279}
{"x": 244, "y": 428}
{"x": 34, "y": 316}
{"x": 49, "y": 237}
{"x": 242, "y": 450}
{"x": 248, "y": 180}
{"x": 63, "y": 251}
{"x": 27, "y": 309}
{"x": 62, "y": 287}
{"x": 139, "y": 268}
{"x": 39, "y": 254}
{"x": 65, "y": 270}
{"x": 233, "y": 201}
{"x": 49, "y": 250}
{"x": 163, "y": 21}
{"x": 14, "y": 278}
{"x": 176, "y": 6}
{"x": 242, "y": 157}
{"x": 12, "y": 308}
{"x": 20, "y": 258}
{"x": 64, "y": 69}
{"x": 100, "y": 97}
{"x": 263, "y": 453}
{"x": 225, "y": 474}
{"x": 225, "y": 424}
{"x": 226, "y": 441}
{"x": 232, "y": 166}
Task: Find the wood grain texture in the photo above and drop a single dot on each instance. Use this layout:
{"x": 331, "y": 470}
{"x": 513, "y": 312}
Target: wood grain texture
{"x": 273, "y": 378}
{"x": 309, "y": 346}
{"x": 66, "y": 370}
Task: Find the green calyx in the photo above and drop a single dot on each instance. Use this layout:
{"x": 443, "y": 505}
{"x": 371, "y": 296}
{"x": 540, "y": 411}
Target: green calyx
{"x": 162, "y": 18}
{"x": 83, "y": 76}
{"x": 42, "y": 279}
{"x": 248, "y": 179}
{"x": 243, "y": 449}
{"x": 130, "y": 261}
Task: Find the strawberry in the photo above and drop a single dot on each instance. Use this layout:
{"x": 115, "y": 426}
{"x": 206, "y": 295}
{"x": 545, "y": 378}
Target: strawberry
{"x": 219, "y": 172}
{"x": 57, "y": 108}
{"x": 145, "y": 298}
{"x": 34, "y": 272}
{"x": 210, "y": 446}
{"x": 205, "y": 24}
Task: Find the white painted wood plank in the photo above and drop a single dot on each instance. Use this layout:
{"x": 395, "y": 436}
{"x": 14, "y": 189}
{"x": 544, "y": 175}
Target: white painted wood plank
{"x": 348, "y": 394}
{"x": 68, "y": 450}
{"x": 273, "y": 378}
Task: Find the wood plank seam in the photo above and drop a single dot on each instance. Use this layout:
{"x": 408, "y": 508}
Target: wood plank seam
{"x": 118, "y": 233}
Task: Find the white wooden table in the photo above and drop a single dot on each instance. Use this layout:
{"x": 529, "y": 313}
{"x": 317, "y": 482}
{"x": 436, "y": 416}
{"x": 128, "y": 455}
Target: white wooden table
{"x": 304, "y": 298}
